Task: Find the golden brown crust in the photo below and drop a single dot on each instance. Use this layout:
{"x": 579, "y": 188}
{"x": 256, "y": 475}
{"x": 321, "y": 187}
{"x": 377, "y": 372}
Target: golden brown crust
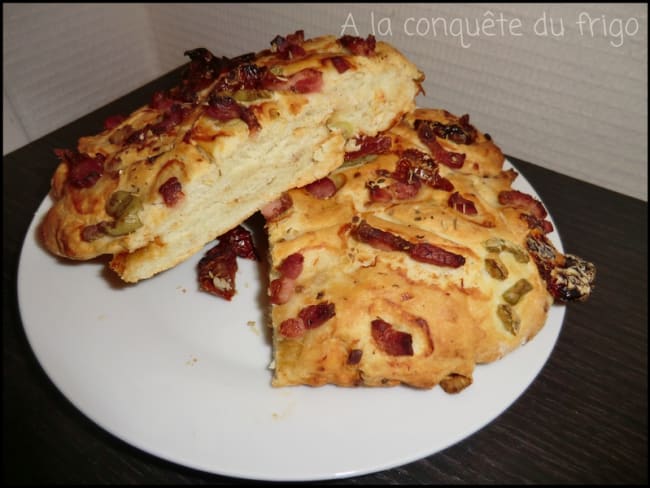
{"x": 451, "y": 314}
{"x": 288, "y": 129}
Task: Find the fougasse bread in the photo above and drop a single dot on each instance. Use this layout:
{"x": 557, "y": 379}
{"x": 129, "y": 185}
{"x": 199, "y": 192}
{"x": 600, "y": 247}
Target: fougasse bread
{"x": 156, "y": 186}
{"x": 411, "y": 263}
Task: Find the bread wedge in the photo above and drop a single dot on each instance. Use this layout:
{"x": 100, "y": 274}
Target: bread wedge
{"x": 155, "y": 187}
{"x": 411, "y": 263}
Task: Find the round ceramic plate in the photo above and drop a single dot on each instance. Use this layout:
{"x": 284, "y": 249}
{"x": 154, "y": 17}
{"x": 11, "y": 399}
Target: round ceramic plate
{"x": 184, "y": 375}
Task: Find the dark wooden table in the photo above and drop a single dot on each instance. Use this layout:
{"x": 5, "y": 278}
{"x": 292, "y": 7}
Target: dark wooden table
{"x": 583, "y": 420}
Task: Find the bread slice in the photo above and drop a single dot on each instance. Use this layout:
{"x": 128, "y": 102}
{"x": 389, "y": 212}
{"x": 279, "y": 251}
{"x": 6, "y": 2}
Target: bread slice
{"x": 156, "y": 187}
{"x": 408, "y": 264}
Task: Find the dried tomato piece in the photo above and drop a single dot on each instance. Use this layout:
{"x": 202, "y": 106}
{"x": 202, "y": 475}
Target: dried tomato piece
{"x": 204, "y": 68}
{"x": 427, "y": 134}
{"x": 273, "y": 210}
{"x": 463, "y": 205}
{"x": 380, "y": 239}
{"x": 241, "y": 241}
{"x": 392, "y": 342}
{"x": 422, "y": 252}
{"x": 370, "y": 145}
{"x": 217, "y": 270}
{"x": 523, "y": 201}
{"x": 431, "y": 254}
{"x": 461, "y": 133}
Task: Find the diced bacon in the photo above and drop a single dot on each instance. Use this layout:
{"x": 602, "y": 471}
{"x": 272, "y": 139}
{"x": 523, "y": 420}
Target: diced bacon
{"x": 316, "y": 315}
{"x": 308, "y": 80}
{"x": 405, "y": 191}
{"x": 84, "y": 170}
{"x": 289, "y": 47}
{"x": 92, "y": 232}
{"x": 322, "y": 189}
{"x": 292, "y": 328}
{"x": 340, "y": 63}
{"x": 171, "y": 191}
{"x": 273, "y": 210}
{"x": 392, "y": 342}
{"x": 358, "y": 45}
{"x": 463, "y": 205}
{"x": 524, "y": 202}
{"x": 354, "y": 356}
{"x": 291, "y": 267}
{"x": 281, "y": 290}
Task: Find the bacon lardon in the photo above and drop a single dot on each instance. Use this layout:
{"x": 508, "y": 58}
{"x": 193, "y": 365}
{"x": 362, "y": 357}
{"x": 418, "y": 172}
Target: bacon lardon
{"x": 171, "y": 191}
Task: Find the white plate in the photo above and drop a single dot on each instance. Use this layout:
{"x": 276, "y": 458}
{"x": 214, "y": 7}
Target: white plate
{"x": 184, "y": 375}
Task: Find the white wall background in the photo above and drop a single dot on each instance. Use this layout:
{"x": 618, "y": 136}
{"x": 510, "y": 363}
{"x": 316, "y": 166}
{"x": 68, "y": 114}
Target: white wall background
{"x": 572, "y": 99}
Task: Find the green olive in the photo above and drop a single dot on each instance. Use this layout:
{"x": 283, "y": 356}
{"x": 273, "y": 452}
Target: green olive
{"x": 496, "y": 268}
{"x": 513, "y": 294}
{"x": 123, "y": 206}
{"x": 509, "y": 318}
{"x": 344, "y": 127}
{"x": 495, "y": 244}
{"x": 519, "y": 254}
{"x": 276, "y": 70}
{"x": 120, "y": 202}
{"x": 245, "y": 95}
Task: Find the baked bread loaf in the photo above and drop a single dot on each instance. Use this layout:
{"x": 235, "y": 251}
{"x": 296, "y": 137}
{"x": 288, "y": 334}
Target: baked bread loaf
{"x": 155, "y": 187}
{"x": 411, "y": 263}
